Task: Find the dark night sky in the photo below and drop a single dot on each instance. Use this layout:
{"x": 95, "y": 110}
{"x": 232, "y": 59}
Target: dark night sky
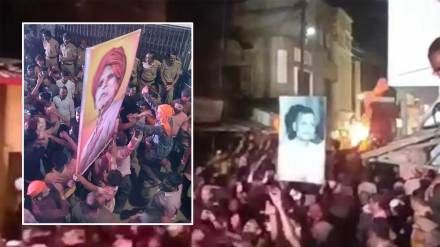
{"x": 369, "y": 26}
{"x": 370, "y": 23}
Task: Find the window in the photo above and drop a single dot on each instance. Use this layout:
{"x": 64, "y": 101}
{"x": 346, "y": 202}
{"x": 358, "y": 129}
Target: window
{"x": 307, "y": 58}
{"x": 305, "y": 88}
{"x": 297, "y": 55}
{"x": 282, "y": 66}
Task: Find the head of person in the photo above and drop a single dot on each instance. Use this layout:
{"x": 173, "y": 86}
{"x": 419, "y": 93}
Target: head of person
{"x": 30, "y": 70}
{"x": 65, "y": 76}
{"x": 315, "y": 213}
{"x": 45, "y": 98}
{"x": 172, "y": 182}
{"x": 77, "y": 114}
{"x": 113, "y": 178}
{"x": 27, "y": 34}
{"x": 83, "y": 43}
{"x": 28, "y": 59}
{"x": 108, "y": 78}
{"x": 364, "y": 197}
{"x": 163, "y": 114}
{"x": 66, "y": 38}
{"x": 149, "y": 57}
{"x": 39, "y": 60}
{"x": 58, "y": 160}
{"x": 378, "y": 232}
{"x": 251, "y": 229}
{"x": 434, "y": 56}
{"x": 378, "y": 203}
{"x": 38, "y": 189}
{"x": 178, "y": 106}
{"x": 301, "y": 123}
{"x": 121, "y": 139}
{"x": 131, "y": 90}
{"x": 47, "y": 35}
{"x": 185, "y": 96}
{"x": 172, "y": 57}
{"x": 206, "y": 195}
{"x": 63, "y": 92}
{"x": 95, "y": 200}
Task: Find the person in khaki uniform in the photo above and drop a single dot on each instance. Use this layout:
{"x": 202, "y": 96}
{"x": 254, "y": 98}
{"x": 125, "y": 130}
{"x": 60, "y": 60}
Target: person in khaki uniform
{"x": 170, "y": 72}
{"x": 68, "y": 55}
{"x": 134, "y": 79}
{"x": 81, "y": 58}
{"x": 51, "y": 49}
{"x": 150, "y": 67}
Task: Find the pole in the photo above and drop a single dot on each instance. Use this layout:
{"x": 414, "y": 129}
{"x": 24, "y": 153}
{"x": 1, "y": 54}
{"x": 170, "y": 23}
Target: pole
{"x": 303, "y": 5}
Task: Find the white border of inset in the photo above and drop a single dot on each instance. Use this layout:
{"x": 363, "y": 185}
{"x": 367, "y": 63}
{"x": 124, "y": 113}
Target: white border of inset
{"x": 177, "y": 24}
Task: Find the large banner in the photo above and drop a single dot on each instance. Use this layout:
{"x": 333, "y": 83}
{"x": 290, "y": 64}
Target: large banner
{"x": 412, "y": 27}
{"x": 301, "y": 147}
{"x": 106, "y": 76}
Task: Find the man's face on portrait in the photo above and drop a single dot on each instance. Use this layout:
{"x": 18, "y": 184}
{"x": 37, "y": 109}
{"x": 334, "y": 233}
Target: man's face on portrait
{"x": 435, "y": 63}
{"x": 107, "y": 87}
{"x": 305, "y": 126}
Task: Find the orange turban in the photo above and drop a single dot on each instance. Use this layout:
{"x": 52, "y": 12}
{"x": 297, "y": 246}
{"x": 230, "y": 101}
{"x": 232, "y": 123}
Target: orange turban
{"x": 116, "y": 59}
{"x": 381, "y": 87}
{"x": 36, "y": 187}
{"x": 165, "y": 112}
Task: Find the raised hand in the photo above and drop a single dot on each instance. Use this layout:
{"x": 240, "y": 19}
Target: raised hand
{"x": 275, "y": 196}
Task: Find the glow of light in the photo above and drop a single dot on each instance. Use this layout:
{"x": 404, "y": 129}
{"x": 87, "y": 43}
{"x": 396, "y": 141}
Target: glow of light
{"x": 399, "y": 123}
{"x": 358, "y": 132}
{"x": 311, "y": 31}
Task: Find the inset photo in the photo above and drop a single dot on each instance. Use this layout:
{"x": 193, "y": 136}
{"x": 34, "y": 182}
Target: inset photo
{"x": 107, "y": 123}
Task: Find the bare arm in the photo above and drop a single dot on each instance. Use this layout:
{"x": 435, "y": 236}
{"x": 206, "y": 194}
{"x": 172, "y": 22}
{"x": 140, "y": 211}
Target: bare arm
{"x": 289, "y": 233}
{"x": 71, "y": 143}
{"x": 88, "y": 185}
{"x": 134, "y": 143}
{"x": 54, "y": 129}
{"x": 58, "y": 140}
{"x": 34, "y": 92}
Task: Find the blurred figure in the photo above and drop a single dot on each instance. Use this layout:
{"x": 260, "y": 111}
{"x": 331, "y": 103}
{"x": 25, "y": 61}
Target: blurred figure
{"x": 47, "y": 205}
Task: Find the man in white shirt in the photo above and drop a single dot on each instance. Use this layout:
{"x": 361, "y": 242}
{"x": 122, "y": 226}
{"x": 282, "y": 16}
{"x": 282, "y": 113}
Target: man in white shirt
{"x": 66, "y": 82}
{"x": 64, "y": 105}
{"x": 169, "y": 196}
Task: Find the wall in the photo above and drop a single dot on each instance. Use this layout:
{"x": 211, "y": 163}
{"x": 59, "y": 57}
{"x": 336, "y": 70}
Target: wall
{"x": 10, "y": 139}
{"x": 13, "y": 116}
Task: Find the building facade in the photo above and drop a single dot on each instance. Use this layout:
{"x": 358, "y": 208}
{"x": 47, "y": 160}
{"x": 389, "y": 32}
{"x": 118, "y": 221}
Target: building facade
{"x": 269, "y": 66}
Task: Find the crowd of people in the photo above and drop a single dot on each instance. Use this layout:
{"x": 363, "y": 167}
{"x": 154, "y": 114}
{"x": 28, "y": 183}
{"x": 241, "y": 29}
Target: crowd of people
{"x": 239, "y": 202}
{"x": 142, "y": 176}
